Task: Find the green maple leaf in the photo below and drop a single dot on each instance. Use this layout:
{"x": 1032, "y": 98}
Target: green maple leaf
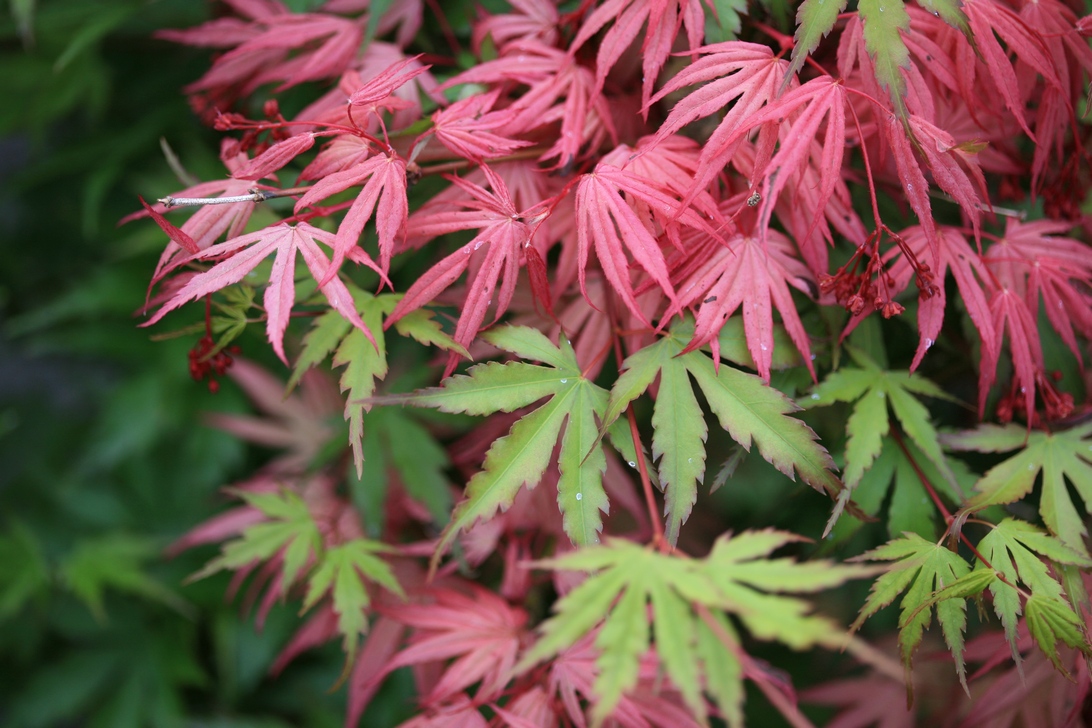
{"x": 290, "y": 527}
{"x": 746, "y": 408}
{"x": 737, "y": 577}
{"x": 1013, "y": 549}
{"x": 875, "y": 390}
{"x": 884, "y": 22}
{"x": 921, "y": 569}
{"x": 814, "y": 20}
{"x": 1057, "y": 455}
{"x": 722, "y": 20}
{"x": 343, "y": 571}
{"x": 397, "y": 442}
{"x": 910, "y": 507}
{"x": 364, "y": 362}
{"x": 115, "y": 562}
{"x": 570, "y": 413}
{"x": 874, "y": 459}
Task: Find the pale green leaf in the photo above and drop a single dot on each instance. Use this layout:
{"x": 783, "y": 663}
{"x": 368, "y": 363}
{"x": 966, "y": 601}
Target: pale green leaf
{"x": 513, "y": 460}
{"x": 844, "y": 385}
{"x": 922, "y": 569}
{"x": 866, "y": 428}
{"x": 1059, "y": 456}
{"x": 490, "y": 387}
{"x": 342, "y": 572}
{"x": 914, "y": 419}
{"x": 290, "y": 527}
{"x": 751, "y": 411}
{"x": 733, "y": 346}
{"x": 580, "y": 494}
{"x": 814, "y": 20}
{"x": 723, "y": 671}
{"x": 533, "y": 345}
{"x": 364, "y": 362}
{"x": 576, "y": 614}
{"x": 950, "y": 11}
{"x": 638, "y": 372}
{"x": 678, "y": 441}
{"x": 674, "y": 628}
{"x": 420, "y": 462}
{"x": 883, "y": 21}
{"x": 422, "y": 326}
{"x": 325, "y": 334}
{"x": 1051, "y": 621}
{"x": 621, "y": 642}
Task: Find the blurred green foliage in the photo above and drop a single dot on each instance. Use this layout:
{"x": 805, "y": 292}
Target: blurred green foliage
{"x": 105, "y": 461}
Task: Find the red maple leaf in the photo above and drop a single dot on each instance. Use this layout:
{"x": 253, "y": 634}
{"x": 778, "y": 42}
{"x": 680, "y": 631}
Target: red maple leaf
{"x": 535, "y": 20}
{"x": 247, "y": 251}
{"x": 277, "y": 45}
{"x": 619, "y": 211}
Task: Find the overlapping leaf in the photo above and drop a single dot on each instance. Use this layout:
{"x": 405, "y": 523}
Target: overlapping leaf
{"x": 738, "y": 576}
{"x": 364, "y": 361}
{"x": 873, "y": 389}
{"x": 1057, "y": 455}
{"x": 247, "y": 251}
{"x": 747, "y": 409}
{"x": 341, "y": 573}
{"x": 520, "y": 457}
{"x": 921, "y": 568}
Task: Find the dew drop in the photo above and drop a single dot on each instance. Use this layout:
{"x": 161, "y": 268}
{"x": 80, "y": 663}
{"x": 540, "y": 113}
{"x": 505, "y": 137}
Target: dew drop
{"x": 564, "y": 381}
{"x": 813, "y": 357}
{"x": 1031, "y": 467}
{"x": 690, "y": 460}
{"x": 580, "y": 496}
{"x": 478, "y": 244}
{"x": 815, "y": 396}
{"x": 882, "y": 8}
{"x": 764, "y": 347}
{"x": 929, "y": 343}
{"x": 632, "y": 464}
{"x": 909, "y": 187}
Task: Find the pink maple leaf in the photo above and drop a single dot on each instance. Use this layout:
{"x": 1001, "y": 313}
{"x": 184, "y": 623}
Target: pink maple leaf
{"x": 558, "y": 89}
{"x": 479, "y": 630}
{"x": 384, "y": 193}
{"x": 279, "y": 46}
{"x": 614, "y": 225}
{"x": 247, "y": 251}
{"x": 468, "y": 128}
{"x": 662, "y": 20}
{"x": 533, "y": 21}
{"x": 745, "y": 272}
{"x": 744, "y": 76}
{"x": 503, "y": 234}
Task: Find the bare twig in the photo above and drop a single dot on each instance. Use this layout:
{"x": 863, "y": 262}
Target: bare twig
{"x": 254, "y": 195}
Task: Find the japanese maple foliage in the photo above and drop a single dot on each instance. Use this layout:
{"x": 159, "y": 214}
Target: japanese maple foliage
{"x": 547, "y": 223}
